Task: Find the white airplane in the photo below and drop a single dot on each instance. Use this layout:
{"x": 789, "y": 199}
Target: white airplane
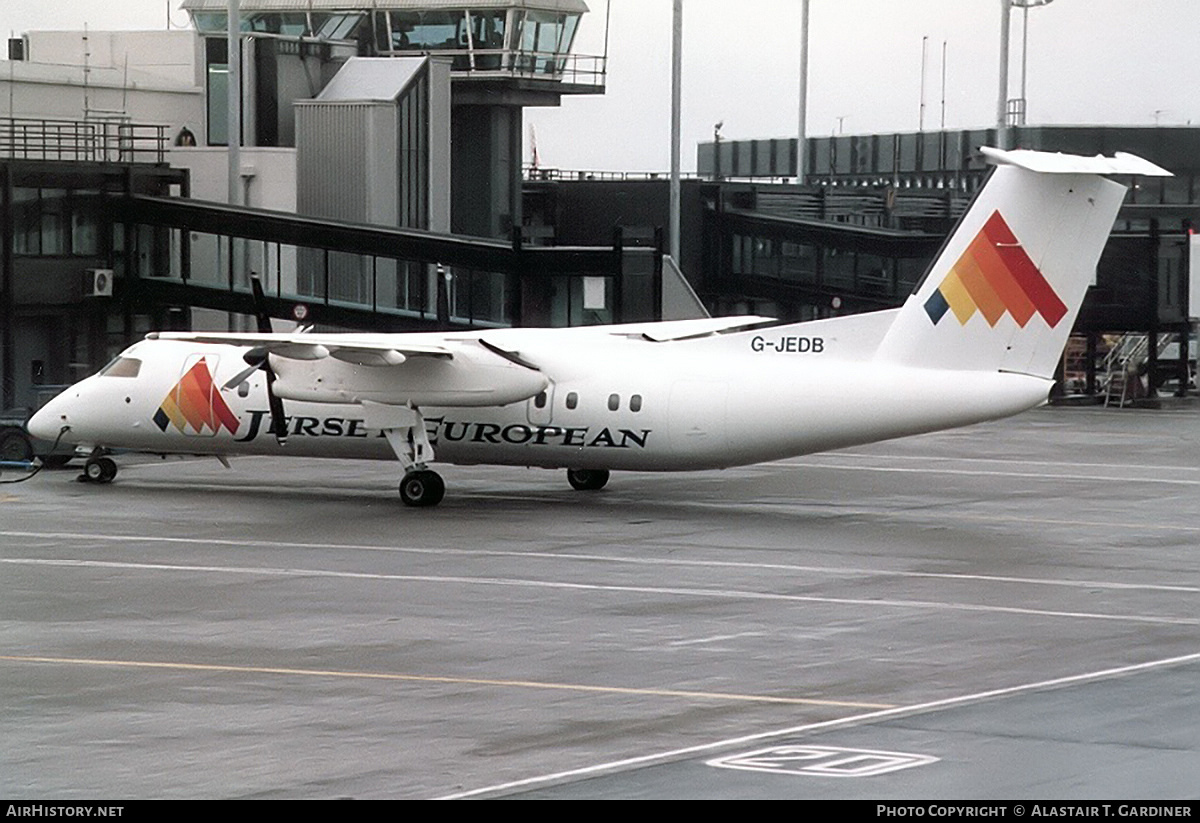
{"x": 978, "y": 340}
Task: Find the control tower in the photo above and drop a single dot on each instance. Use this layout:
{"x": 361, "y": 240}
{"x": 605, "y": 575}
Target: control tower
{"x": 503, "y": 54}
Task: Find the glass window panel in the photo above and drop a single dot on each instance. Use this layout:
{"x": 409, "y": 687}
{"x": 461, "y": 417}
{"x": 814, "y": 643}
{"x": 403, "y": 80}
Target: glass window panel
{"x": 568, "y": 32}
{"x": 27, "y": 231}
{"x": 487, "y": 32}
{"x": 218, "y": 92}
{"x": 874, "y": 274}
{"x": 85, "y": 224}
{"x": 339, "y": 26}
{"x": 909, "y": 272}
{"x": 264, "y": 21}
{"x": 839, "y": 267}
{"x": 798, "y": 261}
{"x": 428, "y": 30}
{"x": 541, "y": 31}
{"x": 54, "y": 221}
{"x": 210, "y": 22}
{"x": 1177, "y": 189}
{"x": 764, "y": 262}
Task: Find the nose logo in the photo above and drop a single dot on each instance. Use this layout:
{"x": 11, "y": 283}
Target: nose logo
{"x": 195, "y": 402}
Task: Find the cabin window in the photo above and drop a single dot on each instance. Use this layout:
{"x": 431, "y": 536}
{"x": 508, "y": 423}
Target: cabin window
{"x": 614, "y": 402}
{"x": 572, "y": 400}
{"x": 540, "y": 401}
{"x": 635, "y": 403}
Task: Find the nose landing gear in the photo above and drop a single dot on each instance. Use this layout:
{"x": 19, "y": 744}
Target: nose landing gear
{"x": 98, "y": 470}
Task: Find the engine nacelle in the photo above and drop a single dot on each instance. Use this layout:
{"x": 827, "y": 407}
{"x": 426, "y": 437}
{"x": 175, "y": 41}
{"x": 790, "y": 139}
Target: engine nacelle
{"x": 468, "y": 378}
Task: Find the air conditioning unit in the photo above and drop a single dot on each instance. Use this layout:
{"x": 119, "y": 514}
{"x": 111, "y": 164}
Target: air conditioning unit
{"x": 98, "y": 282}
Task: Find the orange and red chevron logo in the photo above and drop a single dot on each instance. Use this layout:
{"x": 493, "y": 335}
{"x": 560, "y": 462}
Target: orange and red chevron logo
{"x": 195, "y": 402}
{"x": 995, "y": 276}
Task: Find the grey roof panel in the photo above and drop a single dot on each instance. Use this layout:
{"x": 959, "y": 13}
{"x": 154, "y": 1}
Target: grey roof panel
{"x": 251, "y": 6}
{"x": 372, "y": 78}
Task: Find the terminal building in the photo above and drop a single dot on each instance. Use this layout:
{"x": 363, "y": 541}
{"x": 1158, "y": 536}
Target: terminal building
{"x": 380, "y": 185}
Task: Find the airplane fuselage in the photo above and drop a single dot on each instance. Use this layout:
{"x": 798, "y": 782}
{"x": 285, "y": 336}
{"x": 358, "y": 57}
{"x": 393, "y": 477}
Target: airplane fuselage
{"x": 623, "y": 404}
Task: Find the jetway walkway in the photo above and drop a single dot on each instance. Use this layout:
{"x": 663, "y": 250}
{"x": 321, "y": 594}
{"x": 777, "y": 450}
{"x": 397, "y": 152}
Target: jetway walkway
{"x": 182, "y": 252}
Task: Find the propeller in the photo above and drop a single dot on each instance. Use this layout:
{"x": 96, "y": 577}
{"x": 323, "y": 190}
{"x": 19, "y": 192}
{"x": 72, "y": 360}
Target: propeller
{"x": 259, "y": 358}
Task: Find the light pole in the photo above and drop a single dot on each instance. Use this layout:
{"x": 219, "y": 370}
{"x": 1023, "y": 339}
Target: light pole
{"x": 803, "y": 124}
{"x": 1003, "y": 101}
{"x": 676, "y": 117}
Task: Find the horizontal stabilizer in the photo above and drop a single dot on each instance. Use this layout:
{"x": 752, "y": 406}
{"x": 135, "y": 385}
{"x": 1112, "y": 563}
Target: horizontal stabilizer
{"x": 1046, "y": 162}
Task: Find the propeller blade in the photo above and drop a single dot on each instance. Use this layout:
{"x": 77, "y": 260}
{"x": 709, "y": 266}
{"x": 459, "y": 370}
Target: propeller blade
{"x": 278, "y": 421}
{"x": 256, "y": 358}
{"x": 259, "y": 358}
{"x": 240, "y": 378}
{"x": 260, "y": 306}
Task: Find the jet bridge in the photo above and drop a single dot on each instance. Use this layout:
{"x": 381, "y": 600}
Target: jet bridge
{"x": 191, "y": 253}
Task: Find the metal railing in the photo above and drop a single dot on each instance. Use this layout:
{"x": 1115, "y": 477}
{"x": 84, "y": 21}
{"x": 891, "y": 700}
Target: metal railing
{"x": 90, "y": 141}
{"x": 559, "y": 67}
{"x": 532, "y": 172}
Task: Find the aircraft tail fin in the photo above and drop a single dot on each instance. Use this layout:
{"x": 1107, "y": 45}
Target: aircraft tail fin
{"x": 1006, "y": 288}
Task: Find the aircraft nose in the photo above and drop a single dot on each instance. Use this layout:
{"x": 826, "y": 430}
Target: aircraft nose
{"x": 48, "y": 421}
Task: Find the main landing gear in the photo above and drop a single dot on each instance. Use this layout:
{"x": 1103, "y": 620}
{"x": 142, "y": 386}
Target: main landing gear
{"x": 587, "y": 480}
{"x": 404, "y": 428}
{"x": 98, "y": 470}
{"x": 422, "y": 487}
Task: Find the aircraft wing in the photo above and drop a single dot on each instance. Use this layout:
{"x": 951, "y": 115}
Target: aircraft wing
{"x": 359, "y": 349}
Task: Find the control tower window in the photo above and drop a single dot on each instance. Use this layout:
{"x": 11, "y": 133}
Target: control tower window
{"x": 487, "y": 34}
{"x": 428, "y": 30}
{"x": 339, "y": 26}
{"x": 546, "y": 35}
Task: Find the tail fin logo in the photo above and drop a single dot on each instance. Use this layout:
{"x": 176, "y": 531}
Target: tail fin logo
{"x": 995, "y": 276}
{"x": 195, "y": 402}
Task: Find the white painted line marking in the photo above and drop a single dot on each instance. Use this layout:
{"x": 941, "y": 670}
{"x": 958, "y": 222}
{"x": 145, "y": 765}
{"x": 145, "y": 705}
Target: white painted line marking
{"x": 424, "y": 678}
{"x": 645, "y": 561}
{"x": 800, "y": 461}
{"x": 727, "y": 594}
{"x": 853, "y": 720}
{"x": 718, "y": 638}
{"x": 1167, "y": 481}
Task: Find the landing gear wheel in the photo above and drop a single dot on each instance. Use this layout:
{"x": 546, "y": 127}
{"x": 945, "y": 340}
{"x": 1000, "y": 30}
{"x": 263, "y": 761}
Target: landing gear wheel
{"x": 587, "y": 480}
{"x": 422, "y": 488}
{"x": 99, "y": 470}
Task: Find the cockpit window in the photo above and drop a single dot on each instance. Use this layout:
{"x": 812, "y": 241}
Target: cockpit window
{"x": 122, "y": 367}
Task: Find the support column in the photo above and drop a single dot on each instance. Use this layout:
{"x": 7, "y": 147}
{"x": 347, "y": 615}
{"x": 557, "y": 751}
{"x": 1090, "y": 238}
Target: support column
{"x": 7, "y": 362}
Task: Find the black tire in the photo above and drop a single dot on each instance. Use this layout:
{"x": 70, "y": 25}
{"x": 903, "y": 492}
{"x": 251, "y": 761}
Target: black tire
{"x": 100, "y": 470}
{"x": 587, "y": 480}
{"x": 16, "y": 446}
{"x": 422, "y": 488}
